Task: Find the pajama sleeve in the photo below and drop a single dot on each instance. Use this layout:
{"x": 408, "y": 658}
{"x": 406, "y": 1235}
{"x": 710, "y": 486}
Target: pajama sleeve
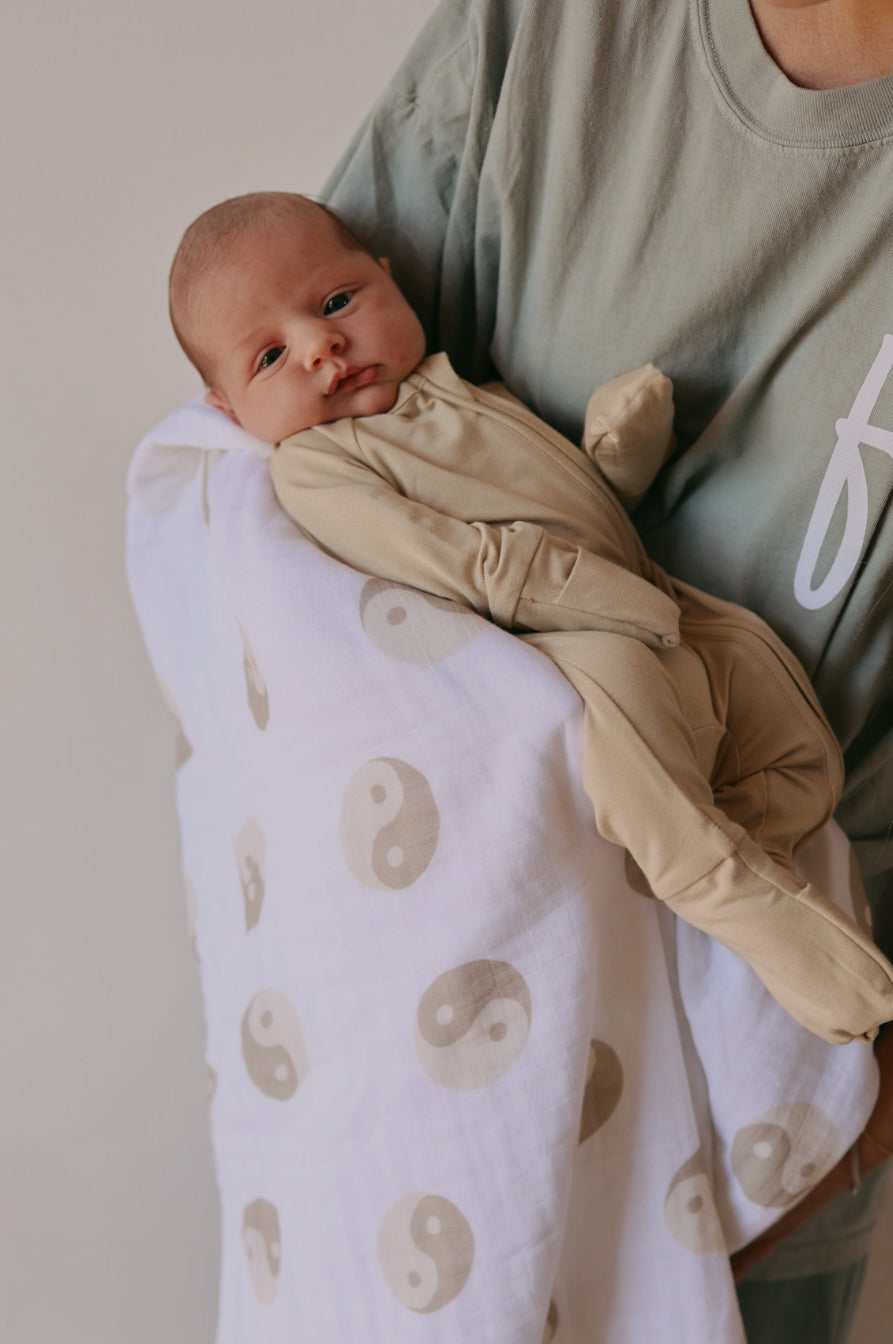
{"x": 517, "y": 573}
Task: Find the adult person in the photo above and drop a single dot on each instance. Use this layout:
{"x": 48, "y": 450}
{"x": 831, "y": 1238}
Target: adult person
{"x": 705, "y": 184}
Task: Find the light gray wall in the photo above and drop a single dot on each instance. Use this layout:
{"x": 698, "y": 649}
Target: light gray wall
{"x": 121, "y": 120}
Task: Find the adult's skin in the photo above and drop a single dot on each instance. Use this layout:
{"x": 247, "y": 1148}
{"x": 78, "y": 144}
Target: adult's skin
{"x": 828, "y": 44}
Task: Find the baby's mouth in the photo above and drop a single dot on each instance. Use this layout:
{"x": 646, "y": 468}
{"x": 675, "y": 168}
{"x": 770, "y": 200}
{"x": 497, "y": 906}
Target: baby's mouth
{"x": 353, "y": 377}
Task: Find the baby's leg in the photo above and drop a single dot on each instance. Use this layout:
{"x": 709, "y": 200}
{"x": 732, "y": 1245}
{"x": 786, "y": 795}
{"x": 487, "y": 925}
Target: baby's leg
{"x": 779, "y": 769}
{"x": 643, "y": 770}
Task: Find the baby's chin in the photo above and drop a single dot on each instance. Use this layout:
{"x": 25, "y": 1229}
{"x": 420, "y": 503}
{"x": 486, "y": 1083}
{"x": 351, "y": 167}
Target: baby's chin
{"x": 361, "y": 402}
{"x": 375, "y": 399}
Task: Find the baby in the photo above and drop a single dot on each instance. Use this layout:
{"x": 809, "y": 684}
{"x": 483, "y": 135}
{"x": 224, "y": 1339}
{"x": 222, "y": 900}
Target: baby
{"x": 706, "y": 754}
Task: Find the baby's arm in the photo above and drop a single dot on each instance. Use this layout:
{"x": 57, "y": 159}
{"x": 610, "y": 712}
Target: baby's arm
{"x": 628, "y": 431}
{"x": 517, "y": 573}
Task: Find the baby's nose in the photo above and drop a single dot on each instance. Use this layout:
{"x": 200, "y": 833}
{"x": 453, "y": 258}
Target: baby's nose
{"x": 323, "y": 346}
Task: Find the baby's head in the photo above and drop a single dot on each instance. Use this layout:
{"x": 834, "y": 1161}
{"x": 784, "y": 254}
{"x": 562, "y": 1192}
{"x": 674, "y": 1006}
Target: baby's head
{"x": 288, "y": 319}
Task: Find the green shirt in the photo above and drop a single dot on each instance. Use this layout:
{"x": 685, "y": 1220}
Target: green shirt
{"x": 569, "y": 190}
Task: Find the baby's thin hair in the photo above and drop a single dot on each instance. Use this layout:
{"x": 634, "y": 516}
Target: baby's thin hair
{"x": 209, "y": 237}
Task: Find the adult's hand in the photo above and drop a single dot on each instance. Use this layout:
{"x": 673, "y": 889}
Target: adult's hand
{"x": 873, "y": 1147}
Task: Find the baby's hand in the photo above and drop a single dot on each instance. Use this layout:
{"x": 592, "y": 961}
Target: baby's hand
{"x": 628, "y": 431}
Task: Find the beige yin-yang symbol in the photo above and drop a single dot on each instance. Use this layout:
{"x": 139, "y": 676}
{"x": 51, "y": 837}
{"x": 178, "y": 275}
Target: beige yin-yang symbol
{"x": 550, "y": 1330}
{"x": 690, "y": 1211}
{"x": 426, "y": 1251}
{"x": 390, "y": 824}
{"x": 250, "y": 849}
{"x": 784, "y": 1153}
{"x": 255, "y": 686}
{"x": 414, "y": 627}
{"x": 604, "y": 1084}
{"x": 182, "y": 745}
{"x": 262, "y": 1239}
{"x": 472, "y": 1023}
{"x": 273, "y": 1045}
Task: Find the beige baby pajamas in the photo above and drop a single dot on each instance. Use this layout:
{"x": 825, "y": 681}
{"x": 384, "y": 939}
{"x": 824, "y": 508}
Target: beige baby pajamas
{"x": 706, "y": 754}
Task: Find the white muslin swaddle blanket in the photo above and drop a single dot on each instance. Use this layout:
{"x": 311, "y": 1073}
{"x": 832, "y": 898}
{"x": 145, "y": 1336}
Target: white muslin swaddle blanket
{"x": 467, "y": 1083}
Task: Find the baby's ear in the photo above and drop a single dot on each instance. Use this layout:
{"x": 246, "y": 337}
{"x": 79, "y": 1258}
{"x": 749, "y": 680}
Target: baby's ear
{"x": 219, "y": 403}
{"x": 385, "y": 264}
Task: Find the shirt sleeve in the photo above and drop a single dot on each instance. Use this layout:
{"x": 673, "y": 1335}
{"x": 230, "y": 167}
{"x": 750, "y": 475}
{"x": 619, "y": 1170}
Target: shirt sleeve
{"x": 407, "y": 184}
{"x": 865, "y": 814}
{"x": 518, "y": 574}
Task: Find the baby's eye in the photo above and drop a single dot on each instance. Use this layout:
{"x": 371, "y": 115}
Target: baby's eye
{"x": 269, "y": 357}
{"x": 336, "y": 303}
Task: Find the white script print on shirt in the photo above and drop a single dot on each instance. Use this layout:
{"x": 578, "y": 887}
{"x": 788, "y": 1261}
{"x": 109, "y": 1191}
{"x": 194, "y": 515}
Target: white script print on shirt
{"x": 845, "y": 472}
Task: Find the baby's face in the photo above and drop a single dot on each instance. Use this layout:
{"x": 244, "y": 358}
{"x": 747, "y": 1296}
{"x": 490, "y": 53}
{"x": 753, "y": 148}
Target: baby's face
{"x": 300, "y": 329}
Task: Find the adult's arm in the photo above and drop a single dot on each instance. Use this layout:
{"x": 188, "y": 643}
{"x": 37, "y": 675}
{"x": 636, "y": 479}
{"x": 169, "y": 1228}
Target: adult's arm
{"x": 408, "y": 182}
{"x": 873, "y": 1148}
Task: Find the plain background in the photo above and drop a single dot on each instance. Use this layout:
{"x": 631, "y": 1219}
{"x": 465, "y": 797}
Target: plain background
{"x": 121, "y": 121}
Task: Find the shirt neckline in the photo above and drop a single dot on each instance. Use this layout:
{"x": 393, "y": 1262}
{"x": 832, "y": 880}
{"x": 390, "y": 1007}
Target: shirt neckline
{"x": 762, "y": 97}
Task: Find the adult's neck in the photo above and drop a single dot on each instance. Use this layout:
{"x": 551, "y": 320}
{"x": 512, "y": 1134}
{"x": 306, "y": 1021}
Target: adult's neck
{"x": 827, "y": 44}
